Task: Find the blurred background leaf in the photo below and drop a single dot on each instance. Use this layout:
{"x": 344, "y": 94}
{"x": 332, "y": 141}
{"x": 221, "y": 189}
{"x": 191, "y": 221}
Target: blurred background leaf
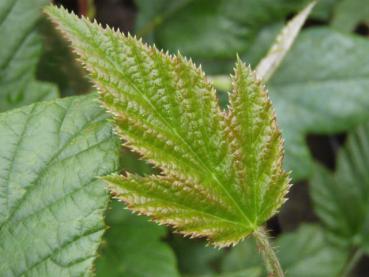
{"x": 349, "y": 13}
{"x": 301, "y": 253}
{"x": 58, "y": 65}
{"x": 20, "y": 50}
{"x": 341, "y": 198}
{"x": 208, "y": 30}
{"x": 322, "y": 87}
{"x": 134, "y": 247}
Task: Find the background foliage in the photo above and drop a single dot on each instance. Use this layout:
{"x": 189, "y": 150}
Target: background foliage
{"x": 320, "y": 93}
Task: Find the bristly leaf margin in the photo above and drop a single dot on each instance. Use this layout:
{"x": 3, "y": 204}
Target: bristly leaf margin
{"x": 234, "y": 207}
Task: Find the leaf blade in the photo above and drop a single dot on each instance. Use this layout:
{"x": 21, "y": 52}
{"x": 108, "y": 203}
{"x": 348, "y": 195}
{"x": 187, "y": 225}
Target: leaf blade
{"x": 166, "y": 110}
{"x": 348, "y": 184}
{"x": 51, "y": 218}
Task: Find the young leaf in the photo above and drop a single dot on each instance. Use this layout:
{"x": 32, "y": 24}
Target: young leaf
{"x": 341, "y": 199}
{"x": 51, "y": 204}
{"x": 20, "y": 50}
{"x": 282, "y": 44}
{"x": 222, "y": 174}
{"x": 310, "y": 101}
{"x": 134, "y": 248}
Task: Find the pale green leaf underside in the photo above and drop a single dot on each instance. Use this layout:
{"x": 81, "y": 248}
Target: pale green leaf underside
{"x": 348, "y": 225}
{"x": 20, "y": 49}
{"x": 222, "y": 173}
{"x": 134, "y": 247}
{"x": 51, "y": 204}
{"x": 283, "y": 42}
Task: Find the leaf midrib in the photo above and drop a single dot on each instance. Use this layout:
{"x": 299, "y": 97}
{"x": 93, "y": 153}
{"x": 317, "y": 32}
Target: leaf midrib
{"x": 168, "y": 124}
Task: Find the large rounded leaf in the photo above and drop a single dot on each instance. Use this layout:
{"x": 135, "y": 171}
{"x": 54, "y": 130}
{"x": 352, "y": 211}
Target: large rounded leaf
{"x": 51, "y": 203}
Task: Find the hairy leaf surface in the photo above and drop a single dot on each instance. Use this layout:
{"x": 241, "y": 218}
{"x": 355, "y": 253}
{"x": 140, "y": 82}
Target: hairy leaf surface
{"x": 322, "y": 87}
{"x": 222, "y": 173}
{"x": 20, "y": 48}
{"x": 51, "y": 204}
{"x": 140, "y": 253}
{"x": 341, "y": 198}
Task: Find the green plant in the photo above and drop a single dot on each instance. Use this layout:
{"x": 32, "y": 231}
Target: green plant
{"x": 221, "y": 171}
{"x": 324, "y": 66}
{"x": 347, "y": 228}
{"x": 213, "y": 170}
{"x": 19, "y": 55}
{"x": 51, "y": 217}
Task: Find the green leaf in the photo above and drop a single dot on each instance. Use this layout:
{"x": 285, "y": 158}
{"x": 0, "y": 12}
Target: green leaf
{"x": 194, "y": 257}
{"x": 222, "y": 173}
{"x": 20, "y": 50}
{"x": 217, "y": 31}
{"x": 250, "y": 272}
{"x": 304, "y": 252}
{"x": 51, "y": 204}
{"x": 134, "y": 248}
{"x": 349, "y": 13}
{"x": 57, "y": 64}
{"x": 341, "y": 198}
{"x": 322, "y": 88}
{"x": 242, "y": 257}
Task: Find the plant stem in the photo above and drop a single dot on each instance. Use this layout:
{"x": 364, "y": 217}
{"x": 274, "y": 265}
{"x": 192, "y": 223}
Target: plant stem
{"x": 351, "y": 262}
{"x": 270, "y": 258}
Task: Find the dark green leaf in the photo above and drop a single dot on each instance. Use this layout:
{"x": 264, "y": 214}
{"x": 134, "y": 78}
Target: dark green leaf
{"x": 134, "y": 248}
{"x": 57, "y": 63}
{"x": 195, "y": 257}
{"x": 341, "y": 198}
{"x": 209, "y": 29}
{"x": 322, "y": 87}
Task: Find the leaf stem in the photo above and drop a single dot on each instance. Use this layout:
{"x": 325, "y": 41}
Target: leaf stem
{"x": 351, "y": 262}
{"x": 269, "y": 256}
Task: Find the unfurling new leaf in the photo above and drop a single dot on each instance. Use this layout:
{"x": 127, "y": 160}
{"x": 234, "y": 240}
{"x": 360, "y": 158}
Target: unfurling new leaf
{"x": 221, "y": 171}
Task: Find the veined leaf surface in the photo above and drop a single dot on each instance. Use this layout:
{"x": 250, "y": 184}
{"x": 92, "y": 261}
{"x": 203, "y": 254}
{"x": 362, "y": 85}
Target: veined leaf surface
{"x": 222, "y": 174}
{"x": 51, "y": 204}
{"x": 331, "y": 193}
